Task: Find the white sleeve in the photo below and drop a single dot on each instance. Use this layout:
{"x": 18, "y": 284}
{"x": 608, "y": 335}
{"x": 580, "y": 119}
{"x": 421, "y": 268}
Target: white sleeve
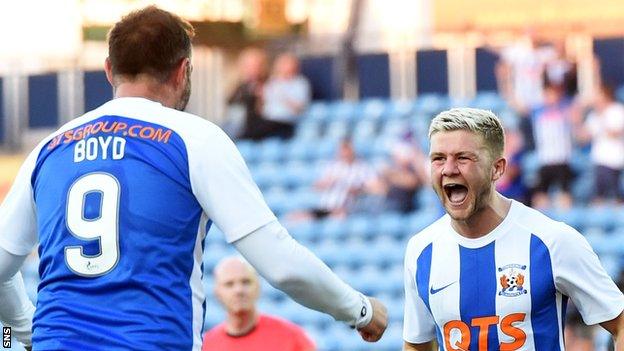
{"x": 418, "y": 323}
{"x": 18, "y": 221}
{"x": 292, "y": 268}
{"x": 16, "y": 310}
{"x": 579, "y": 275}
{"x": 223, "y": 186}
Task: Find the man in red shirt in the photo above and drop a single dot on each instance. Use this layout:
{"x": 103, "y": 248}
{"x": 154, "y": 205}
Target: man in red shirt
{"x": 238, "y": 290}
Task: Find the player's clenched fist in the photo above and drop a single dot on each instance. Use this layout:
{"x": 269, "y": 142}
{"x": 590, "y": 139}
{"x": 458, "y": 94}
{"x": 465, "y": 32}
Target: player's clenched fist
{"x": 375, "y": 329}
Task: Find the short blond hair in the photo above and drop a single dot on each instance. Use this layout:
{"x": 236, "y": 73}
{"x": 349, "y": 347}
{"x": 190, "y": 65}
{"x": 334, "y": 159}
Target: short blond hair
{"x": 482, "y": 122}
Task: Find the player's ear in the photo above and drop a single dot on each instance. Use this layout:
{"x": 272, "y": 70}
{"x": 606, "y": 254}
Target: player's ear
{"x": 108, "y": 68}
{"x": 179, "y": 73}
{"x": 498, "y": 168}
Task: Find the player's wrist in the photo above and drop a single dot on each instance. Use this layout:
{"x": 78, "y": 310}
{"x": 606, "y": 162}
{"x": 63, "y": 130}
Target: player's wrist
{"x": 365, "y": 313}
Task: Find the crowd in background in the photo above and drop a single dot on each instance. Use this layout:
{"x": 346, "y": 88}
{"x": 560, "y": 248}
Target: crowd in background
{"x": 537, "y": 80}
{"x": 540, "y": 83}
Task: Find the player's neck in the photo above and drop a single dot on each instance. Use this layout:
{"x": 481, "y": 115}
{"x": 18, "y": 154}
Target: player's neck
{"x": 486, "y": 219}
{"x": 145, "y": 88}
{"x": 241, "y": 323}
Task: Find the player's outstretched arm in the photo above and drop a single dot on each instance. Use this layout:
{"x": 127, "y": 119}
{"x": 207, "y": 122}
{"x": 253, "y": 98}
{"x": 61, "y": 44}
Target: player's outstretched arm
{"x": 16, "y": 310}
{"x": 295, "y": 270}
{"x": 616, "y": 328}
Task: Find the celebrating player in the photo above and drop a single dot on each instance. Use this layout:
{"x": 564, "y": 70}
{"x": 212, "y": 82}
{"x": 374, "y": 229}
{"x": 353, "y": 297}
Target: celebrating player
{"x": 493, "y": 274}
{"x": 119, "y": 201}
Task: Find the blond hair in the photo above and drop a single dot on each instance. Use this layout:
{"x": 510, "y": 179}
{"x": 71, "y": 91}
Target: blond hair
{"x": 481, "y": 122}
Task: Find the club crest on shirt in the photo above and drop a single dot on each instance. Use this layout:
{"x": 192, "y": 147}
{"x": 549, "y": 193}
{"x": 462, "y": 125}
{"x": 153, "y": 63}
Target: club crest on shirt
{"x": 511, "y": 279}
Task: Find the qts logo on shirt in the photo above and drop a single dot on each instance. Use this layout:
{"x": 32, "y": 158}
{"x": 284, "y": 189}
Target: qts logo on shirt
{"x": 457, "y": 333}
{"x": 511, "y": 279}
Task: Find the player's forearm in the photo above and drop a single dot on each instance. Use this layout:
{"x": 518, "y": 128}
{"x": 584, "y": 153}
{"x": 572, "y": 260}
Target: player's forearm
{"x": 293, "y": 269}
{"x": 16, "y": 310}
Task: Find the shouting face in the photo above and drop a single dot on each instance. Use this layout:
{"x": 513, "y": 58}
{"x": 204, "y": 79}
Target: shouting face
{"x": 462, "y": 172}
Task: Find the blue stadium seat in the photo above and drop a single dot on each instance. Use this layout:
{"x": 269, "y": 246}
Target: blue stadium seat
{"x": 308, "y": 129}
{"x": 325, "y": 149}
{"x": 272, "y": 150}
{"x": 317, "y": 111}
{"x": 248, "y": 150}
{"x": 337, "y": 129}
{"x": 360, "y": 226}
{"x": 374, "y": 109}
{"x": 488, "y": 100}
{"x": 364, "y": 130}
{"x": 301, "y": 149}
{"x": 343, "y": 110}
{"x": 398, "y": 109}
{"x": 266, "y": 174}
{"x": 391, "y": 224}
{"x": 599, "y": 216}
{"x": 431, "y": 103}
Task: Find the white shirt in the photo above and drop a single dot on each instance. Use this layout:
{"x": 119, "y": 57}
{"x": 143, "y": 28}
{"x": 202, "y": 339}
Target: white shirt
{"x": 607, "y": 150}
{"x": 509, "y": 286}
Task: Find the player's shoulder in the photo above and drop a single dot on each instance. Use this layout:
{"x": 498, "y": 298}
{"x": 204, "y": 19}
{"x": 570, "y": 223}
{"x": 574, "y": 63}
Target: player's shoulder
{"x": 550, "y": 231}
{"x": 422, "y": 239}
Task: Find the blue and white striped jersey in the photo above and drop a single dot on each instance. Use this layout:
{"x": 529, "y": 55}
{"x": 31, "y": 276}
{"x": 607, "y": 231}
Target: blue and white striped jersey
{"x": 506, "y": 290}
{"x": 119, "y": 201}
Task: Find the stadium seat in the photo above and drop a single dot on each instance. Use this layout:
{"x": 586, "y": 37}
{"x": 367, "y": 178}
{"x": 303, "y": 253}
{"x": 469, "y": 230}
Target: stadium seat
{"x": 271, "y": 150}
{"x": 308, "y": 129}
{"x": 373, "y": 109}
{"x": 248, "y": 150}
{"x": 318, "y": 111}
{"x": 343, "y": 110}
{"x": 488, "y": 100}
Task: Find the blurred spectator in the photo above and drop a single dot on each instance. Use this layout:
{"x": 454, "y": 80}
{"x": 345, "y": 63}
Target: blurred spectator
{"x": 342, "y": 182}
{"x": 238, "y": 290}
{"x": 552, "y": 127}
{"x": 561, "y": 70}
{"x": 246, "y": 98}
{"x": 398, "y": 182}
{"x": 520, "y": 72}
{"x": 520, "y": 79}
{"x": 511, "y": 184}
{"x": 286, "y": 95}
{"x": 604, "y": 127}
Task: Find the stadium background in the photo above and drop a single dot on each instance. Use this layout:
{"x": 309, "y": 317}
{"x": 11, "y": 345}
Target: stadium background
{"x": 410, "y": 59}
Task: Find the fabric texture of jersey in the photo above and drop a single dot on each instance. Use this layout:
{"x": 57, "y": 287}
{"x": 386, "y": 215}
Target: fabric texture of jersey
{"x": 270, "y": 334}
{"x": 122, "y": 198}
{"x": 506, "y": 290}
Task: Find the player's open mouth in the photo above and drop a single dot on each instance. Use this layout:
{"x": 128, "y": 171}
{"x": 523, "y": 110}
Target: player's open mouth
{"x": 456, "y": 193}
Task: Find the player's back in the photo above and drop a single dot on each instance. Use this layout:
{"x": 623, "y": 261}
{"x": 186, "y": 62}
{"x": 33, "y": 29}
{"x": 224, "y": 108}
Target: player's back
{"x": 120, "y": 231}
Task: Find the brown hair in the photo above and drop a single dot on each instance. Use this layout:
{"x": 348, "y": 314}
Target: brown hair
{"x": 150, "y": 41}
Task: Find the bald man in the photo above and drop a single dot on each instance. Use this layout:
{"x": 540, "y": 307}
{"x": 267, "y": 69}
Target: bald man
{"x": 237, "y": 289}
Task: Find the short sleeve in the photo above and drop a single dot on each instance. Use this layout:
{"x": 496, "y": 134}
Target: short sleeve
{"x": 223, "y": 186}
{"x": 418, "y": 323}
{"x": 579, "y": 275}
{"x": 18, "y": 220}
